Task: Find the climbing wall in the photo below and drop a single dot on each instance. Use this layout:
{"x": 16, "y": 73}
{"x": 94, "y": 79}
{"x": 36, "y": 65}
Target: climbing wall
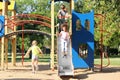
{"x": 83, "y": 33}
{"x": 1, "y": 26}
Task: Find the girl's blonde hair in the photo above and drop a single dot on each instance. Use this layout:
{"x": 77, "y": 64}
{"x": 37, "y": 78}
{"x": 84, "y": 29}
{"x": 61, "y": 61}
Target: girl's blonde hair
{"x": 34, "y": 42}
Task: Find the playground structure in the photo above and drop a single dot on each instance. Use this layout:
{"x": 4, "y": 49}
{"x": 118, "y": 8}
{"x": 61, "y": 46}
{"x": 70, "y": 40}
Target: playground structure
{"x": 84, "y": 35}
{"x": 9, "y": 31}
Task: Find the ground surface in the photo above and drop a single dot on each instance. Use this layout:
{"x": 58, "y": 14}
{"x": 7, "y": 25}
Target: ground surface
{"x": 44, "y": 73}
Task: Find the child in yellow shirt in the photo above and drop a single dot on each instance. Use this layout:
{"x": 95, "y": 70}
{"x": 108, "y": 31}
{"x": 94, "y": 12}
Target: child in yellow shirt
{"x": 36, "y": 51}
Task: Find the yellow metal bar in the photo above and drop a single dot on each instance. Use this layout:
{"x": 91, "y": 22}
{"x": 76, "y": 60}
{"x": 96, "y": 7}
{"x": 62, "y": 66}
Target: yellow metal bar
{"x": 14, "y": 44}
{"x": 0, "y": 51}
{"x": 13, "y": 52}
{"x": 71, "y": 8}
{"x": 52, "y": 33}
{"x": 0, "y": 12}
{"x": 4, "y": 13}
{"x": 6, "y": 53}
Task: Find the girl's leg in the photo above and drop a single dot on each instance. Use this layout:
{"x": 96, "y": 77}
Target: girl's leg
{"x": 36, "y": 64}
{"x": 62, "y": 46}
{"x": 33, "y": 66}
{"x": 65, "y": 45}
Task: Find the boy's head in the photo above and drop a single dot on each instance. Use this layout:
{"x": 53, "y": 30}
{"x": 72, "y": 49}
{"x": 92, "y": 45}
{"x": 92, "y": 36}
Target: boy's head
{"x": 34, "y": 42}
{"x": 62, "y": 6}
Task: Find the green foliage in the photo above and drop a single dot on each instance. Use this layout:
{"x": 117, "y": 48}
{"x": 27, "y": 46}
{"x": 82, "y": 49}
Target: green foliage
{"x": 111, "y": 23}
{"x": 40, "y": 7}
{"x": 108, "y": 8}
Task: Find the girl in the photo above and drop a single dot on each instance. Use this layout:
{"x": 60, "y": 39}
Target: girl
{"x": 64, "y": 36}
{"x": 35, "y": 54}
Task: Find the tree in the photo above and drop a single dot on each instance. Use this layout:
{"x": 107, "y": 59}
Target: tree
{"x": 110, "y": 10}
{"x": 33, "y": 7}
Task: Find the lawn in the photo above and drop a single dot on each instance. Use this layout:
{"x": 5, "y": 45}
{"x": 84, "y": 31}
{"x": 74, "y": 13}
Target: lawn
{"x": 114, "y": 60}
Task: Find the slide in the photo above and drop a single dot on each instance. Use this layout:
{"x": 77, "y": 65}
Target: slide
{"x": 65, "y": 66}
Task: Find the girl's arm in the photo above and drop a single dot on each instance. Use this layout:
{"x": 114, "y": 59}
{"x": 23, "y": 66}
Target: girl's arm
{"x": 28, "y": 52}
{"x": 59, "y": 34}
{"x": 40, "y": 51}
{"x": 68, "y": 35}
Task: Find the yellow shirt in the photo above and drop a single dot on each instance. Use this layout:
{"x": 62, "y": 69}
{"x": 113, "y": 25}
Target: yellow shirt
{"x": 35, "y": 50}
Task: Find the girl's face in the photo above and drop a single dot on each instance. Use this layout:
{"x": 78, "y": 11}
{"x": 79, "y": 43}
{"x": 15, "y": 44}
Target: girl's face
{"x": 64, "y": 28}
{"x": 34, "y": 43}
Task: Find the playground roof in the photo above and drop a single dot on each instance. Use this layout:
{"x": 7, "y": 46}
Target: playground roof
{"x": 8, "y": 2}
{"x": 10, "y": 7}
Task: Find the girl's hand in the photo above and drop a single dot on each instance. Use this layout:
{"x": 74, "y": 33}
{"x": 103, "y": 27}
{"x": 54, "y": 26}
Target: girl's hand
{"x": 57, "y": 34}
{"x": 41, "y": 54}
{"x": 26, "y": 56}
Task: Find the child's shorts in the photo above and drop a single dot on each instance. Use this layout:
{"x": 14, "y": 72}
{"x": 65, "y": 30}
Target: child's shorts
{"x": 34, "y": 57}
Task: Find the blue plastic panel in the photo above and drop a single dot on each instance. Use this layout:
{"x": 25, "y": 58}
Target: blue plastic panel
{"x": 2, "y": 26}
{"x": 85, "y": 37}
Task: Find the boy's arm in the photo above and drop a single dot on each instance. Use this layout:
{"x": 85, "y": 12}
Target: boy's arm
{"x": 58, "y": 14}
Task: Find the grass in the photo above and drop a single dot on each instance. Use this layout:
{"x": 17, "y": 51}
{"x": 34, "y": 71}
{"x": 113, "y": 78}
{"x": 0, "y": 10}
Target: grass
{"x": 114, "y": 60}
{"x": 45, "y": 58}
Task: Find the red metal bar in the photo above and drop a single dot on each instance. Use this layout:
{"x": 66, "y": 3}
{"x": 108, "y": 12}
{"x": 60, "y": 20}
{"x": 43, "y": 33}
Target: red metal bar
{"x": 22, "y": 45}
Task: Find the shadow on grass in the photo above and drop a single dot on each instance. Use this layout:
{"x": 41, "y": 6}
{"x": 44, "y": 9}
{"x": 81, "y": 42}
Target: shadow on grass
{"x": 28, "y": 68}
{"x": 111, "y": 70}
{"x": 29, "y": 60}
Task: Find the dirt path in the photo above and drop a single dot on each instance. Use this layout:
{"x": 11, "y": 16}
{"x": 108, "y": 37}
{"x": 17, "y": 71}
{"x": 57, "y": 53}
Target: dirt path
{"x": 24, "y": 73}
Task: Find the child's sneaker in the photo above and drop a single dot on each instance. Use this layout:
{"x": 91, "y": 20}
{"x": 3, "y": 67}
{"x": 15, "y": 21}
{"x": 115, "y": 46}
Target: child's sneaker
{"x": 65, "y": 55}
{"x": 33, "y": 72}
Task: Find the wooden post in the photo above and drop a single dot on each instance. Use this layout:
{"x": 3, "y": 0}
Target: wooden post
{"x": 52, "y": 36}
{"x": 6, "y": 53}
{"x": 0, "y": 51}
{"x": 71, "y": 8}
{"x": 13, "y": 52}
{"x": 4, "y": 13}
{"x": 14, "y": 44}
{"x": 0, "y": 12}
